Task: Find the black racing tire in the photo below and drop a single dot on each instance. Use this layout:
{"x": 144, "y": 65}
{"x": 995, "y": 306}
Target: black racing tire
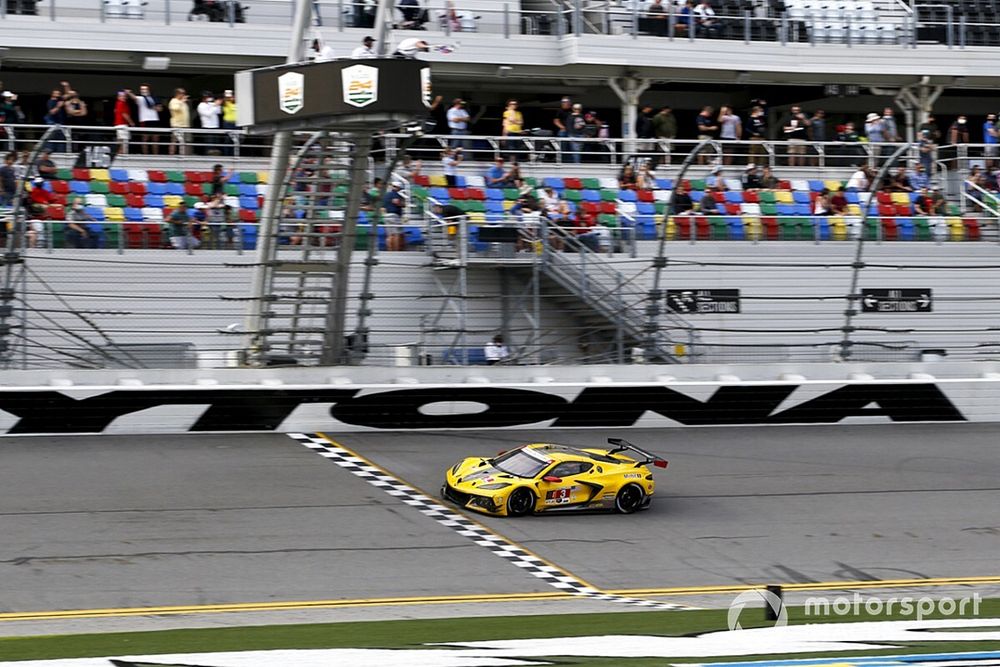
{"x": 520, "y": 502}
{"x": 629, "y": 499}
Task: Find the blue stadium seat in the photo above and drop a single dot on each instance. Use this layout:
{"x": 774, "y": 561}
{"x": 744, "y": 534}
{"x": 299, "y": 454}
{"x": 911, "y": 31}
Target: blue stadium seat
{"x": 645, "y": 208}
{"x": 553, "y": 182}
{"x": 803, "y": 209}
{"x": 460, "y": 182}
{"x": 247, "y": 190}
{"x": 906, "y": 229}
{"x": 494, "y": 218}
{"x": 736, "y": 229}
{"x": 590, "y": 195}
{"x": 628, "y": 195}
{"x": 473, "y": 356}
{"x": 801, "y": 197}
{"x": 823, "y": 225}
{"x": 734, "y": 197}
{"x": 494, "y": 194}
{"x": 494, "y": 206}
{"x": 248, "y": 203}
{"x": 175, "y": 189}
{"x": 665, "y": 183}
{"x": 79, "y": 187}
{"x": 645, "y": 227}
{"x": 249, "y": 234}
{"x": 816, "y": 186}
{"x": 157, "y": 188}
{"x": 154, "y": 201}
{"x": 133, "y": 214}
{"x": 785, "y": 209}
{"x": 852, "y": 197}
{"x": 119, "y": 175}
{"x": 414, "y": 235}
{"x": 696, "y": 195}
{"x": 96, "y": 212}
{"x": 440, "y": 194}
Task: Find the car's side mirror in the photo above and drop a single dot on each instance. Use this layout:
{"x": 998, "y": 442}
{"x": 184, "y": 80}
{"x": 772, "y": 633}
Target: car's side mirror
{"x": 552, "y": 478}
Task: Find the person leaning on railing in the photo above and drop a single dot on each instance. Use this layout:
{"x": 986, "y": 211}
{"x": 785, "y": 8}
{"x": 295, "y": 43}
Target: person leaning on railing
{"x": 8, "y": 180}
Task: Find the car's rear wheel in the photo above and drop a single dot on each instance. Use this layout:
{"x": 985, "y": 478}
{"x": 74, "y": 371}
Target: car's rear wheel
{"x": 629, "y": 498}
{"x": 520, "y": 502}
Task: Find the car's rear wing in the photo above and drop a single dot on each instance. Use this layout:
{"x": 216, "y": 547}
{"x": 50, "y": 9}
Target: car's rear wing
{"x": 621, "y": 445}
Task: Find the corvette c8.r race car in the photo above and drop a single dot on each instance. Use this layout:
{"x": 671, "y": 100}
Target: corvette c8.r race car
{"x": 554, "y": 478}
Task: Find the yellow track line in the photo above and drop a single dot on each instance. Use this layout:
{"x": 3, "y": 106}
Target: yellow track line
{"x": 465, "y": 514}
{"x": 295, "y": 605}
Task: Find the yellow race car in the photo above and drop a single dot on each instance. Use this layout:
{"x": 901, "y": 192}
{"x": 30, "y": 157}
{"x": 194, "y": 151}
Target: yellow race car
{"x": 554, "y": 478}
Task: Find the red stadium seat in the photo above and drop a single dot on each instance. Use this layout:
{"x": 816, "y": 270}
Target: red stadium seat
{"x": 60, "y": 187}
{"x": 457, "y": 193}
{"x": 903, "y": 210}
{"x": 887, "y": 210}
{"x": 56, "y": 212}
{"x": 784, "y": 185}
{"x": 703, "y": 228}
{"x": 59, "y": 198}
{"x": 608, "y": 207}
{"x": 137, "y": 188}
{"x": 135, "y": 201}
{"x": 719, "y": 197}
{"x": 247, "y": 215}
{"x": 118, "y": 188}
{"x": 646, "y": 196}
{"x": 972, "y": 231}
{"x": 81, "y": 174}
{"x": 192, "y": 189}
{"x": 771, "y": 230}
{"x": 890, "y": 230}
{"x": 590, "y": 207}
{"x": 572, "y": 184}
{"x": 883, "y": 197}
{"x": 422, "y": 180}
{"x": 750, "y": 197}
{"x": 733, "y": 209}
{"x": 156, "y": 176}
{"x": 477, "y": 194}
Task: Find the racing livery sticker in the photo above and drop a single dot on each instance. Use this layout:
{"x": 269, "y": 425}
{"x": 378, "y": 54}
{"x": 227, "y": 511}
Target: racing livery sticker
{"x": 360, "y": 85}
{"x": 291, "y": 92}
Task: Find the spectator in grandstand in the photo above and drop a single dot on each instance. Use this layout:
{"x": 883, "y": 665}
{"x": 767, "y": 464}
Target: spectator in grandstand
{"x": 817, "y": 126}
{"x": 450, "y": 159}
{"x": 931, "y": 126}
{"x": 496, "y": 352}
{"x": 55, "y": 114}
{"x": 371, "y": 195}
{"x": 665, "y": 124}
{"x": 823, "y": 204}
{"x": 795, "y": 131}
{"x": 874, "y": 128}
{"x": 756, "y": 130}
{"x": 410, "y": 47}
{"x": 180, "y": 122}
{"x": 768, "y": 181}
{"x": 627, "y": 178}
{"x": 859, "y": 180}
{"x": 682, "y": 204}
{"x": 229, "y": 122}
{"x": 365, "y": 51}
{"x": 512, "y": 123}
{"x": 730, "y": 129}
{"x": 975, "y": 179}
{"x": 707, "y": 127}
{"x": 549, "y": 201}
{"x": 848, "y": 134}
{"x": 685, "y": 18}
{"x": 575, "y": 130}
{"x": 149, "y": 116}
{"x": 958, "y": 133}
{"x": 8, "y": 180}
{"x": 919, "y": 179}
{"x": 518, "y": 180}
{"x": 407, "y": 169}
{"x": 209, "y": 112}
{"x": 991, "y": 137}
{"x": 181, "y": 228}
{"x": 392, "y": 204}
{"x": 497, "y": 176}
{"x": 77, "y": 227}
{"x": 322, "y": 52}
{"x": 44, "y": 166}
{"x": 657, "y": 14}
{"x": 644, "y": 122}
{"x": 458, "y": 123}
{"x": 751, "y": 178}
{"x": 900, "y": 181}
{"x": 930, "y": 202}
{"x": 76, "y": 115}
{"x": 645, "y": 179}
{"x": 561, "y": 119}
{"x": 219, "y": 179}
{"x": 838, "y": 202}
{"x": 123, "y": 121}
{"x": 215, "y": 217}
{"x": 708, "y": 205}
{"x": 926, "y": 149}
{"x": 889, "y": 128}
{"x": 705, "y": 21}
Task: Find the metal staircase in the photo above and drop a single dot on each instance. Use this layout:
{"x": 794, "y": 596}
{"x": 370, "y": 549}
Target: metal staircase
{"x": 310, "y": 257}
{"x": 621, "y": 303}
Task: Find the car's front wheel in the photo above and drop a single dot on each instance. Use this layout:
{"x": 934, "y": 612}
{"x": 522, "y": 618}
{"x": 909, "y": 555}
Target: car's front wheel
{"x": 629, "y": 498}
{"x": 520, "y": 502}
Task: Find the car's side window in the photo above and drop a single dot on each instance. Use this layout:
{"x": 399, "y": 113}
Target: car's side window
{"x": 570, "y": 468}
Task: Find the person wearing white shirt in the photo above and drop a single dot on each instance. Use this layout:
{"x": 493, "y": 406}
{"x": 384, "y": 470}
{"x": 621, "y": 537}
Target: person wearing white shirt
{"x": 450, "y": 159}
{"x": 495, "y": 351}
{"x": 364, "y": 51}
{"x": 149, "y": 116}
{"x": 324, "y": 52}
{"x": 410, "y": 47}
{"x": 209, "y": 111}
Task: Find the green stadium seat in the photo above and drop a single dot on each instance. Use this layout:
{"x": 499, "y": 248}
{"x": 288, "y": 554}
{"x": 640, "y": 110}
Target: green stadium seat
{"x": 609, "y": 195}
{"x": 720, "y": 227}
{"x": 766, "y": 197}
{"x": 251, "y": 178}
{"x": 510, "y": 193}
{"x": 572, "y": 195}
{"x": 231, "y": 189}
{"x": 923, "y": 229}
{"x": 698, "y": 185}
{"x": 64, "y": 174}
{"x": 176, "y": 177}
{"x": 99, "y": 187}
{"x": 591, "y": 184}
{"x": 608, "y": 220}
{"x": 117, "y": 201}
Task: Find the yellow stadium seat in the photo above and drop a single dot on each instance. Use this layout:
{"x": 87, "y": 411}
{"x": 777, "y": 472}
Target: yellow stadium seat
{"x": 507, "y": 203}
{"x": 784, "y": 197}
{"x": 854, "y": 209}
{"x": 262, "y": 177}
{"x": 100, "y": 175}
{"x": 172, "y": 201}
{"x": 900, "y": 198}
{"x": 438, "y": 181}
{"x": 956, "y": 229}
{"x": 838, "y": 228}
{"x": 114, "y": 214}
{"x": 832, "y": 186}
{"x": 751, "y": 226}
{"x": 477, "y": 218}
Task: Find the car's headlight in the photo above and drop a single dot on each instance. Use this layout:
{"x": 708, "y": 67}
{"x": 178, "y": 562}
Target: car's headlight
{"x": 495, "y": 486}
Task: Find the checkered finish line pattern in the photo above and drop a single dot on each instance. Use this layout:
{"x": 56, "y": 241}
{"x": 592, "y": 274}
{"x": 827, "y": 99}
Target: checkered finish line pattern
{"x": 464, "y": 526}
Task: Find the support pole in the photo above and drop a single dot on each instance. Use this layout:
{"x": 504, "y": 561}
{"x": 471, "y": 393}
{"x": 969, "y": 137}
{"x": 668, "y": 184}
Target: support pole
{"x": 280, "y": 148}
{"x": 629, "y": 97}
{"x": 383, "y": 24}
{"x": 334, "y": 340}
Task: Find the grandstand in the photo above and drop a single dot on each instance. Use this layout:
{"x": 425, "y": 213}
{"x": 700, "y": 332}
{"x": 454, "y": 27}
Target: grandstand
{"x": 540, "y": 288}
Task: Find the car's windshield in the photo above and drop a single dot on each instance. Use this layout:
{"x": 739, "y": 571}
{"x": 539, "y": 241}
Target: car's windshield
{"x": 520, "y": 463}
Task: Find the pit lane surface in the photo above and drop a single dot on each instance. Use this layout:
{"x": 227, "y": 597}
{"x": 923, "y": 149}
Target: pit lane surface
{"x": 115, "y": 521}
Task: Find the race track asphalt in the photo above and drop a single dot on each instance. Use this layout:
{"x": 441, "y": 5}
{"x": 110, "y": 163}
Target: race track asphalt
{"x": 92, "y": 522}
